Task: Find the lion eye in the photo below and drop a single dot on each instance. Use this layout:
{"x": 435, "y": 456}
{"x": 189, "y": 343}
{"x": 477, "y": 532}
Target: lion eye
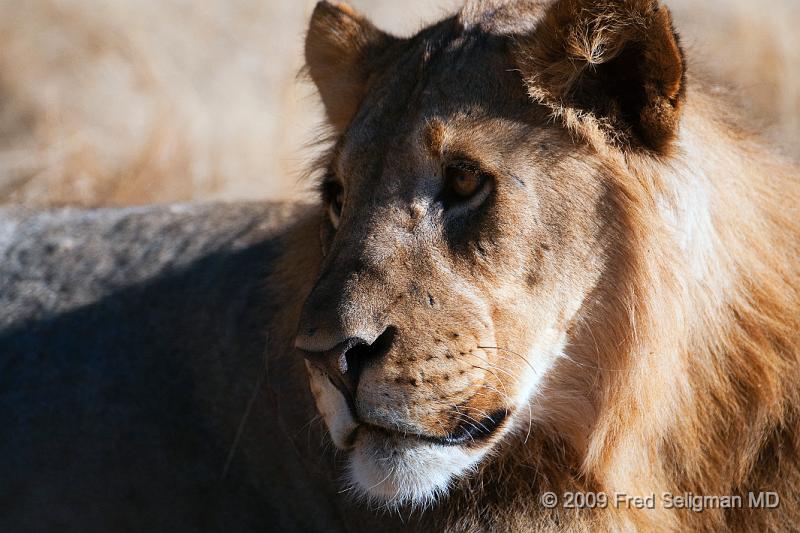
{"x": 334, "y": 195}
{"x": 463, "y": 183}
{"x": 337, "y": 202}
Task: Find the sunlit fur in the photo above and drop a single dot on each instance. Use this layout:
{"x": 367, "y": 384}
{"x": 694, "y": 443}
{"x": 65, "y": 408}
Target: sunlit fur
{"x": 671, "y": 356}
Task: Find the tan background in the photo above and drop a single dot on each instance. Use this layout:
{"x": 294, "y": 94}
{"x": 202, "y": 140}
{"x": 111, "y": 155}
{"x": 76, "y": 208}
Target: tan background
{"x": 135, "y": 101}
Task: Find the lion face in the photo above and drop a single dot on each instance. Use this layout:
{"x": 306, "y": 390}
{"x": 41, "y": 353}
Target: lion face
{"x": 462, "y": 234}
{"x": 455, "y": 259}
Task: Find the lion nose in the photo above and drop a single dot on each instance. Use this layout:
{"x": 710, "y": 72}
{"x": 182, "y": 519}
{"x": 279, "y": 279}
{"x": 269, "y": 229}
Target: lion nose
{"x": 344, "y": 362}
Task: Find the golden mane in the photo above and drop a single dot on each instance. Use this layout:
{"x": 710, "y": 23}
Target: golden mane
{"x": 695, "y": 365}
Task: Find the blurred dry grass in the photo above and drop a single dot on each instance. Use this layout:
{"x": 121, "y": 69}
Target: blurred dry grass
{"x": 137, "y": 101}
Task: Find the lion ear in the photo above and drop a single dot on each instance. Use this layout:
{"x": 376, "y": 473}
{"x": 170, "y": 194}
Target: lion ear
{"x": 612, "y": 68}
{"x": 341, "y": 49}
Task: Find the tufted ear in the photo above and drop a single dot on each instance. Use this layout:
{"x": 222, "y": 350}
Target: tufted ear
{"x": 608, "y": 68}
{"x": 341, "y": 49}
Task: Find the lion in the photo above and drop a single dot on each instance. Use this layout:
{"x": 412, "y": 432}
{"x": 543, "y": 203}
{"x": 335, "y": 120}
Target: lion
{"x": 552, "y": 263}
{"x": 551, "y": 284}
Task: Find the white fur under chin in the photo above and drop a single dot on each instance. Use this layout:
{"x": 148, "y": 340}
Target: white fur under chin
{"x": 392, "y": 472}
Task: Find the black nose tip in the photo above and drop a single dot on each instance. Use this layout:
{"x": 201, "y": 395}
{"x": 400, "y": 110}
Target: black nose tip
{"x": 344, "y": 362}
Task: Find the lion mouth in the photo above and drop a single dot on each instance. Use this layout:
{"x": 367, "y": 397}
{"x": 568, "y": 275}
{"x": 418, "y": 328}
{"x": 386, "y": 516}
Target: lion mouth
{"x": 469, "y": 431}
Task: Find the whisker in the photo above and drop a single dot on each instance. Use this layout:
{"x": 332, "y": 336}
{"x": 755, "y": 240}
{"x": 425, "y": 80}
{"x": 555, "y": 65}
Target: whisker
{"x": 388, "y": 475}
{"x": 536, "y": 373}
{"x": 240, "y": 428}
{"x": 525, "y": 360}
{"x": 512, "y": 376}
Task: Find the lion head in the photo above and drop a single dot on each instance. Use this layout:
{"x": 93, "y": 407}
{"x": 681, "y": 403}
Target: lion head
{"x": 468, "y": 236}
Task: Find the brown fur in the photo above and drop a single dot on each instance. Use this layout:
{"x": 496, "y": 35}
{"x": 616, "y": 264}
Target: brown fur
{"x": 628, "y": 211}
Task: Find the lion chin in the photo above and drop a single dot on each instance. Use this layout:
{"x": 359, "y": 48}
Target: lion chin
{"x": 393, "y": 471}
